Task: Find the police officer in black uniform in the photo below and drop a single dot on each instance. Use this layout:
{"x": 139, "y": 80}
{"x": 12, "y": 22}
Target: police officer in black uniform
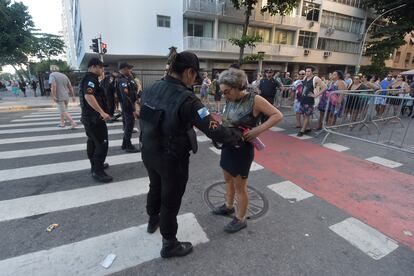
{"x": 94, "y": 115}
{"x": 128, "y": 90}
{"x": 169, "y": 110}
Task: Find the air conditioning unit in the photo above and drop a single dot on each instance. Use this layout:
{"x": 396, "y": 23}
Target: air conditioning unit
{"x": 330, "y": 31}
{"x": 311, "y": 24}
{"x": 306, "y": 52}
{"x": 327, "y": 54}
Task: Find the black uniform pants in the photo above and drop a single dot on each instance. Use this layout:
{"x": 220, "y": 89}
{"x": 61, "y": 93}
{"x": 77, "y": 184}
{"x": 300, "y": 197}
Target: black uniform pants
{"x": 97, "y": 144}
{"x": 128, "y": 121}
{"x": 110, "y": 101}
{"x": 168, "y": 180}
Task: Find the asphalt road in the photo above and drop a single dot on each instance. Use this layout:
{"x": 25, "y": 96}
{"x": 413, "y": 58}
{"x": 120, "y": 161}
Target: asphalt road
{"x": 41, "y": 185}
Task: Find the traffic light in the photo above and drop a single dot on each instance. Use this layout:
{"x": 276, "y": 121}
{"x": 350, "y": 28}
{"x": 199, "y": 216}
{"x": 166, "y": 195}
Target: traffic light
{"x": 104, "y": 47}
{"x": 95, "y": 45}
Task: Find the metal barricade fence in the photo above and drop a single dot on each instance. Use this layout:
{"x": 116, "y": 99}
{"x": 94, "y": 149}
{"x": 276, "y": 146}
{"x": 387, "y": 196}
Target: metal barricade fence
{"x": 285, "y": 99}
{"x": 354, "y": 114}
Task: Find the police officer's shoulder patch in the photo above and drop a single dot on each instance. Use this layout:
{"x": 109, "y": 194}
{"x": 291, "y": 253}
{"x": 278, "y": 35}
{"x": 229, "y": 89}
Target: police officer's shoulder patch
{"x": 91, "y": 84}
{"x": 203, "y": 112}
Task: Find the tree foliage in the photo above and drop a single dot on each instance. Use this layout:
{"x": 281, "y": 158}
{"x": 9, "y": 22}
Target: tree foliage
{"x": 388, "y": 34}
{"x": 47, "y": 45}
{"x": 272, "y": 7}
{"x": 15, "y": 33}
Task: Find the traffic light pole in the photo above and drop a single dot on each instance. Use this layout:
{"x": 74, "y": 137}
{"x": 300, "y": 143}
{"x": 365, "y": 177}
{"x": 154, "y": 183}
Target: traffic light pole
{"x": 100, "y": 50}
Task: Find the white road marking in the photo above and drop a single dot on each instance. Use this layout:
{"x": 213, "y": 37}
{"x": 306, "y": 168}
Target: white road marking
{"x": 365, "y": 238}
{"x": 290, "y": 191}
{"x": 203, "y": 138}
{"x": 304, "y": 137}
{"x": 48, "y": 116}
{"x": 52, "y": 202}
{"x": 132, "y": 246}
{"x": 253, "y": 167}
{"x": 63, "y": 167}
{"x": 51, "y": 150}
{"x": 384, "y": 162}
{"x": 277, "y": 129}
{"x": 42, "y": 129}
{"x": 48, "y": 119}
{"x": 73, "y": 111}
{"x": 335, "y": 147}
{"x": 52, "y": 137}
{"x": 56, "y": 122}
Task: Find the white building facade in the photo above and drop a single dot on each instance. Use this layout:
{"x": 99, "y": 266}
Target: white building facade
{"x": 324, "y": 33}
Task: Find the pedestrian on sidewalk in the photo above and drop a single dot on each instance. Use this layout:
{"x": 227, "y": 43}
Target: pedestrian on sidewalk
{"x": 22, "y": 86}
{"x": 94, "y": 117}
{"x": 61, "y": 88}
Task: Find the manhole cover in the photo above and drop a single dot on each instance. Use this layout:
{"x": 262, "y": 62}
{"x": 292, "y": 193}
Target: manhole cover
{"x": 215, "y": 196}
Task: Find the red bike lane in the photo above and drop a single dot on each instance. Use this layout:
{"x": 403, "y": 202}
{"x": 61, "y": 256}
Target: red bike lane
{"x": 379, "y": 196}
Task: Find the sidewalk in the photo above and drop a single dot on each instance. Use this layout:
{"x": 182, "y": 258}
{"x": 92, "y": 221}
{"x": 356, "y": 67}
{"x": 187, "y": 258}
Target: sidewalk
{"x": 12, "y": 103}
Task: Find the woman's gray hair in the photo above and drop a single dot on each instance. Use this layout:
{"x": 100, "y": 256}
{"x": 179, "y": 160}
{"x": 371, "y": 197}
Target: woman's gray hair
{"x": 234, "y": 78}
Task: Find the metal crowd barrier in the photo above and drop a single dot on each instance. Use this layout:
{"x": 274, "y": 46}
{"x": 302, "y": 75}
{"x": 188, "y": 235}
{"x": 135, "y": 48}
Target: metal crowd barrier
{"x": 284, "y": 100}
{"x": 353, "y": 114}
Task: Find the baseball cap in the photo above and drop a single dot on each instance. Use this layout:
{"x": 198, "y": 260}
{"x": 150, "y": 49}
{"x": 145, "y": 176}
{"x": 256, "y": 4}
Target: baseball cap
{"x": 125, "y": 65}
{"x": 96, "y": 62}
{"x": 268, "y": 70}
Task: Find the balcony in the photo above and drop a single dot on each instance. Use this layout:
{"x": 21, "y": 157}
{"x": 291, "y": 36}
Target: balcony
{"x": 201, "y": 6}
{"x": 206, "y": 44}
{"x": 291, "y": 22}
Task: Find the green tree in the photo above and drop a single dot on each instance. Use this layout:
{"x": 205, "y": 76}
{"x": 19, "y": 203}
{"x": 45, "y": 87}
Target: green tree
{"x": 388, "y": 34}
{"x": 47, "y": 45}
{"x": 15, "y": 33}
{"x": 272, "y": 7}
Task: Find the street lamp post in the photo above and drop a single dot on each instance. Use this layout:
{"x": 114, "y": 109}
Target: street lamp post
{"x": 261, "y": 54}
{"x": 366, "y": 35}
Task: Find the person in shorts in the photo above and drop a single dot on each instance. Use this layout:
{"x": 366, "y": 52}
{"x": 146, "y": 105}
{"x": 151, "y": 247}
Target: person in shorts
{"x": 61, "y": 88}
{"x": 205, "y": 88}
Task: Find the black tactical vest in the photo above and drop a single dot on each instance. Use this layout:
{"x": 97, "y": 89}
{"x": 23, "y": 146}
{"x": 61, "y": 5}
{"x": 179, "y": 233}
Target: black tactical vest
{"x": 162, "y": 132}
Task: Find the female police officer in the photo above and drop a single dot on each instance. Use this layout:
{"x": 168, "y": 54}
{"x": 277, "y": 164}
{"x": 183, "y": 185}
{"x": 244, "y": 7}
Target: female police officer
{"x": 169, "y": 110}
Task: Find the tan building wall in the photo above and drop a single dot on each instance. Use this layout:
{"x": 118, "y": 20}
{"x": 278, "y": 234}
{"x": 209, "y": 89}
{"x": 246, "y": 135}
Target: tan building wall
{"x": 403, "y": 57}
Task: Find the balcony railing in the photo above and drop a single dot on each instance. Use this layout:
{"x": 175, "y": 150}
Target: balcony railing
{"x": 222, "y": 45}
{"x": 203, "y": 6}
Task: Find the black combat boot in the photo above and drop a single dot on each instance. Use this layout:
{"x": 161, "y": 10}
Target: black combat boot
{"x": 153, "y": 224}
{"x": 123, "y": 144}
{"x": 101, "y": 176}
{"x": 174, "y": 248}
{"x": 130, "y": 148}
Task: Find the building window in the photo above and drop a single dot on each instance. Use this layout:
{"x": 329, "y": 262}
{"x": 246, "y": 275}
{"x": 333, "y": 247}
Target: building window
{"x": 311, "y": 11}
{"x": 307, "y": 39}
{"x": 284, "y": 37}
{"x": 397, "y": 57}
{"x": 228, "y": 30}
{"x": 341, "y": 22}
{"x": 408, "y": 58}
{"x": 353, "y": 3}
{"x": 264, "y": 33}
{"x": 200, "y": 28}
{"x": 163, "y": 21}
{"x": 334, "y": 45}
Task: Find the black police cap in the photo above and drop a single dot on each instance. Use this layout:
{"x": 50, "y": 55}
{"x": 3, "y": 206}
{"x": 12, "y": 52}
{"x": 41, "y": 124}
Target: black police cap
{"x": 96, "y": 62}
{"x": 125, "y": 65}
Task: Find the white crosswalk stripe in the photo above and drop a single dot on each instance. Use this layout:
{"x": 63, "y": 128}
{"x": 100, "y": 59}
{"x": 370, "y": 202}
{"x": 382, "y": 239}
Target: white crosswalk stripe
{"x": 52, "y": 202}
{"x": 41, "y": 116}
{"x": 55, "y": 112}
{"x": 42, "y": 129}
{"x": 51, "y": 150}
{"x": 132, "y": 246}
{"x": 63, "y": 167}
{"x": 54, "y": 119}
{"x": 32, "y": 124}
{"x": 52, "y": 137}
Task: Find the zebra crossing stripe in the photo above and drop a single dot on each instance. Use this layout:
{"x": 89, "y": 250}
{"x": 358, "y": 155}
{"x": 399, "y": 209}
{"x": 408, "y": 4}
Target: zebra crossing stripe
{"x": 64, "y": 167}
{"x": 54, "y": 122}
{"x": 41, "y": 116}
{"x": 132, "y": 246}
{"x": 52, "y": 202}
{"x": 55, "y": 112}
{"x": 52, "y": 137}
{"x": 54, "y": 119}
{"x": 42, "y": 129}
{"x": 50, "y": 150}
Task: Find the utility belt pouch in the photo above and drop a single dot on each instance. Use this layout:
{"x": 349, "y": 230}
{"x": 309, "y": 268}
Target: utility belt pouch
{"x": 192, "y": 136}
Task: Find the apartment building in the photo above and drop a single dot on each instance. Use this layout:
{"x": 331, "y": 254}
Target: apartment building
{"x": 325, "y": 33}
{"x": 403, "y": 57}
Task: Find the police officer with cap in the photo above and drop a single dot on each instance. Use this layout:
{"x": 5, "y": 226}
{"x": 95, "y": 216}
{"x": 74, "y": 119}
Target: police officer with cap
{"x": 94, "y": 117}
{"x": 128, "y": 90}
{"x": 169, "y": 110}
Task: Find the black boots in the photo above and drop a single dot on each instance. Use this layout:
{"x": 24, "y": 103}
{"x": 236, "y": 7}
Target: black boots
{"x": 128, "y": 147}
{"x": 101, "y": 176}
{"x": 174, "y": 248}
{"x": 153, "y": 224}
